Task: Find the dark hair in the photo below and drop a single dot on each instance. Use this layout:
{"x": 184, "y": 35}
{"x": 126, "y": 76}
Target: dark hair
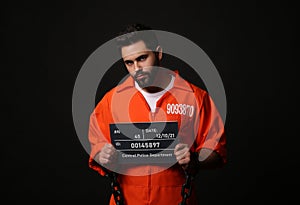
{"x": 133, "y": 33}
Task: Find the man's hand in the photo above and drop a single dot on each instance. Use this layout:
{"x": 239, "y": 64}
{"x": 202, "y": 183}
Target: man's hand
{"x": 107, "y": 155}
{"x": 182, "y": 154}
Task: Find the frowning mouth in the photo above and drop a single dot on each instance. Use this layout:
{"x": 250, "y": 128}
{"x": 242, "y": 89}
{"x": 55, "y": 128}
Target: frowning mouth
{"x": 140, "y": 76}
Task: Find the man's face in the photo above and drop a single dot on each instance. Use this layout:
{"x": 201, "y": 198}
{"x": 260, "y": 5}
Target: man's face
{"x": 141, "y": 63}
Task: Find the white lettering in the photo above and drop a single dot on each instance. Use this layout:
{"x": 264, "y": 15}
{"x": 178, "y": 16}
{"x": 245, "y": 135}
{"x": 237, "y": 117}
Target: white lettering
{"x": 182, "y": 109}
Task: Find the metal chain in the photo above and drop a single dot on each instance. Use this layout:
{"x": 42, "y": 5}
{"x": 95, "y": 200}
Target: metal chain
{"x": 190, "y": 174}
{"x": 115, "y": 188}
{"x": 186, "y": 189}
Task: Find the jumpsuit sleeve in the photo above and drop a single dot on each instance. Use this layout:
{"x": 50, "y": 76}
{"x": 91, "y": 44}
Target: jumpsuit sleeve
{"x": 98, "y": 133}
{"x": 210, "y": 129}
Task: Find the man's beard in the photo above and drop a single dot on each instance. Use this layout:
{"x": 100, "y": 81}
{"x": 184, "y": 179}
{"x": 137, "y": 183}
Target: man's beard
{"x": 146, "y": 81}
{"x": 149, "y": 77}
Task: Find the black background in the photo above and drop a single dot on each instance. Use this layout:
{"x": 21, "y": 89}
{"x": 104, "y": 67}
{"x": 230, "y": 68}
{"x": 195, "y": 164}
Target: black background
{"x": 44, "y": 46}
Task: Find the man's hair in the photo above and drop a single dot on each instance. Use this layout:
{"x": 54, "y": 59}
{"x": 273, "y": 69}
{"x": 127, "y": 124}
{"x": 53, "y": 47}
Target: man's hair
{"x": 133, "y": 33}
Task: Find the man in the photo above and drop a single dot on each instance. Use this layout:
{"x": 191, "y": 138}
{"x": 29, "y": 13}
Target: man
{"x": 153, "y": 94}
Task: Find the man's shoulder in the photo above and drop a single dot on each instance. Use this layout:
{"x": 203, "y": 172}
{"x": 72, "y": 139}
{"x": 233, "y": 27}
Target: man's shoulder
{"x": 187, "y": 85}
{"x": 126, "y": 83}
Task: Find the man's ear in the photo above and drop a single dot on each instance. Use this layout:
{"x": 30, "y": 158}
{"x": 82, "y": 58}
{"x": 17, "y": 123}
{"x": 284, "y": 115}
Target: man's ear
{"x": 159, "y": 52}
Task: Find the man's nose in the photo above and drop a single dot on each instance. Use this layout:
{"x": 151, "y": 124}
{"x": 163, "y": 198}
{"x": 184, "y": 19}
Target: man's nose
{"x": 137, "y": 66}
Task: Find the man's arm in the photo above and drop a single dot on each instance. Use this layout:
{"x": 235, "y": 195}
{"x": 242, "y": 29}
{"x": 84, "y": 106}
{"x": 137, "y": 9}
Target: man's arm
{"x": 205, "y": 159}
{"x": 209, "y": 159}
{"x": 107, "y": 156}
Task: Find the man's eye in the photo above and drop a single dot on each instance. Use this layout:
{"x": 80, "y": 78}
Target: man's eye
{"x": 142, "y": 58}
{"x": 128, "y": 62}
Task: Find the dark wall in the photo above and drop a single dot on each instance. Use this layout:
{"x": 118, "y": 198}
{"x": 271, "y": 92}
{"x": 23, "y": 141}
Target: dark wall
{"x": 44, "y": 46}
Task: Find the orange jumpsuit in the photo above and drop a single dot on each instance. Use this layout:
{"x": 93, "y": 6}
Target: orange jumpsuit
{"x": 199, "y": 125}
